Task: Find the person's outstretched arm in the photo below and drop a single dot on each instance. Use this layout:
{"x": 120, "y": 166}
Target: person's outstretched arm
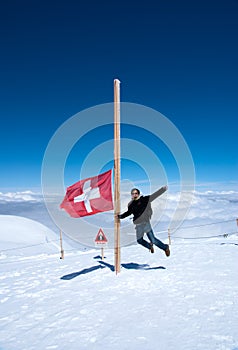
{"x": 158, "y": 193}
{"x": 126, "y": 213}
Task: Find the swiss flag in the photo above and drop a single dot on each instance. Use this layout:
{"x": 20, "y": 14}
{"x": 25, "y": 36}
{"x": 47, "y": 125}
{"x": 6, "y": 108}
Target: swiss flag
{"x": 90, "y": 196}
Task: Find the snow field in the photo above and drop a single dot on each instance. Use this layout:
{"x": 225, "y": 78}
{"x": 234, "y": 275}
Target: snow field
{"x": 186, "y": 301}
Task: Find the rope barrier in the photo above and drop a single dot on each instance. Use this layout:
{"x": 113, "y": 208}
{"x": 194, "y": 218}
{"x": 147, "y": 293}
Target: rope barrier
{"x": 211, "y": 223}
{"x": 208, "y": 224}
{"x": 29, "y": 246}
{"x": 225, "y": 235}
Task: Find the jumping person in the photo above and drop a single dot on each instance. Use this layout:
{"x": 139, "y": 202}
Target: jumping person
{"x": 140, "y": 207}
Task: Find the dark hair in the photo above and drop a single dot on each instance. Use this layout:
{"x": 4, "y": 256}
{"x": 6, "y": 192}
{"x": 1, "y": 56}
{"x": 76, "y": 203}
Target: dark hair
{"x": 135, "y": 189}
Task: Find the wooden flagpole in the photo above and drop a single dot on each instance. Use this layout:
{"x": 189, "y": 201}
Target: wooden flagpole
{"x": 117, "y": 208}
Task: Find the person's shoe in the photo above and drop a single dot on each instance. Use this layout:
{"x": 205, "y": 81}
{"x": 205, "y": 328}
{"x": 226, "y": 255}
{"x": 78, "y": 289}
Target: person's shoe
{"x": 167, "y": 251}
{"x": 152, "y": 248}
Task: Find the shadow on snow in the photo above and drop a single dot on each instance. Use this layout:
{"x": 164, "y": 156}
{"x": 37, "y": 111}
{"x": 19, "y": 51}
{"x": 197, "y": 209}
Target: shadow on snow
{"x": 133, "y": 266}
{"x": 129, "y": 266}
{"x": 136, "y": 266}
{"x": 83, "y": 272}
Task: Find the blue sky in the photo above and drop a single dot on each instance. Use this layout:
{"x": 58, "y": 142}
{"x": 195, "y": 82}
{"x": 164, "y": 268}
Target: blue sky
{"x": 177, "y": 57}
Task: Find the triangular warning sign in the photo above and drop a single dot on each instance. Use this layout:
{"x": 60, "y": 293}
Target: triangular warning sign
{"x": 101, "y": 238}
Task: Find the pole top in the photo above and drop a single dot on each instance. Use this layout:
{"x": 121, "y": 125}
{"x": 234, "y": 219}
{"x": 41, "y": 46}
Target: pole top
{"x": 117, "y": 81}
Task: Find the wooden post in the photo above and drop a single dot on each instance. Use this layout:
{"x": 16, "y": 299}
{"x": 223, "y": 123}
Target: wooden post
{"x": 117, "y": 156}
{"x": 102, "y": 253}
{"x": 61, "y": 246}
{"x": 169, "y": 236}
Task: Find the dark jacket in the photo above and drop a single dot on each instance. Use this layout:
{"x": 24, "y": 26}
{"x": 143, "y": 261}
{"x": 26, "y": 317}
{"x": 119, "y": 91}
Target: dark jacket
{"x": 141, "y": 207}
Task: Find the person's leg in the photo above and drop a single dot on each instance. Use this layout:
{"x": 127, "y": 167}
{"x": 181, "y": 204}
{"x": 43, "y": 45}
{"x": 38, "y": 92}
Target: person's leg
{"x": 156, "y": 241}
{"x": 140, "y": 236}
{"x": 143, "y": 242}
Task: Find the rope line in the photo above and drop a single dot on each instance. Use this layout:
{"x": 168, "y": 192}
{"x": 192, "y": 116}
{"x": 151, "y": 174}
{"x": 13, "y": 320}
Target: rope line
{"x": 211, "y": 223}
{"x": 29, "y": 246}
{"x": 225, "y": 235}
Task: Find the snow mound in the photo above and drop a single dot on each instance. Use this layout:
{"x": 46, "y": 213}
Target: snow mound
{"x": 22, "y": 236}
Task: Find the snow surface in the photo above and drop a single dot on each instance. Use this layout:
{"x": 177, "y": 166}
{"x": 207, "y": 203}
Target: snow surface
{"x": 23, "y": 236}
{"x": 187, "y": 301}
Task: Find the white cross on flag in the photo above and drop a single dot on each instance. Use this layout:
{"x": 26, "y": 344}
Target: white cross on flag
{"x": 90, "y": 196}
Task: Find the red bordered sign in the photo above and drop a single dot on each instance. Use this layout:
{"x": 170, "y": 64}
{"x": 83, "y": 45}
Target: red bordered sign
{"x": 101, "y": 239}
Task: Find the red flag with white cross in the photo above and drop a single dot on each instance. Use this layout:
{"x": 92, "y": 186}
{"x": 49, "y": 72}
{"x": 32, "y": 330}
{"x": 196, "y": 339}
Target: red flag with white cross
{"x": 89, "y": 196}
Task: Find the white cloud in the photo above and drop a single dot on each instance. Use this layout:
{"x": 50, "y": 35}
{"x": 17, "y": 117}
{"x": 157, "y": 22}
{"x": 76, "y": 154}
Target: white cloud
{"x": 211, "y": 213}
{"x": 22, "y": 196}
